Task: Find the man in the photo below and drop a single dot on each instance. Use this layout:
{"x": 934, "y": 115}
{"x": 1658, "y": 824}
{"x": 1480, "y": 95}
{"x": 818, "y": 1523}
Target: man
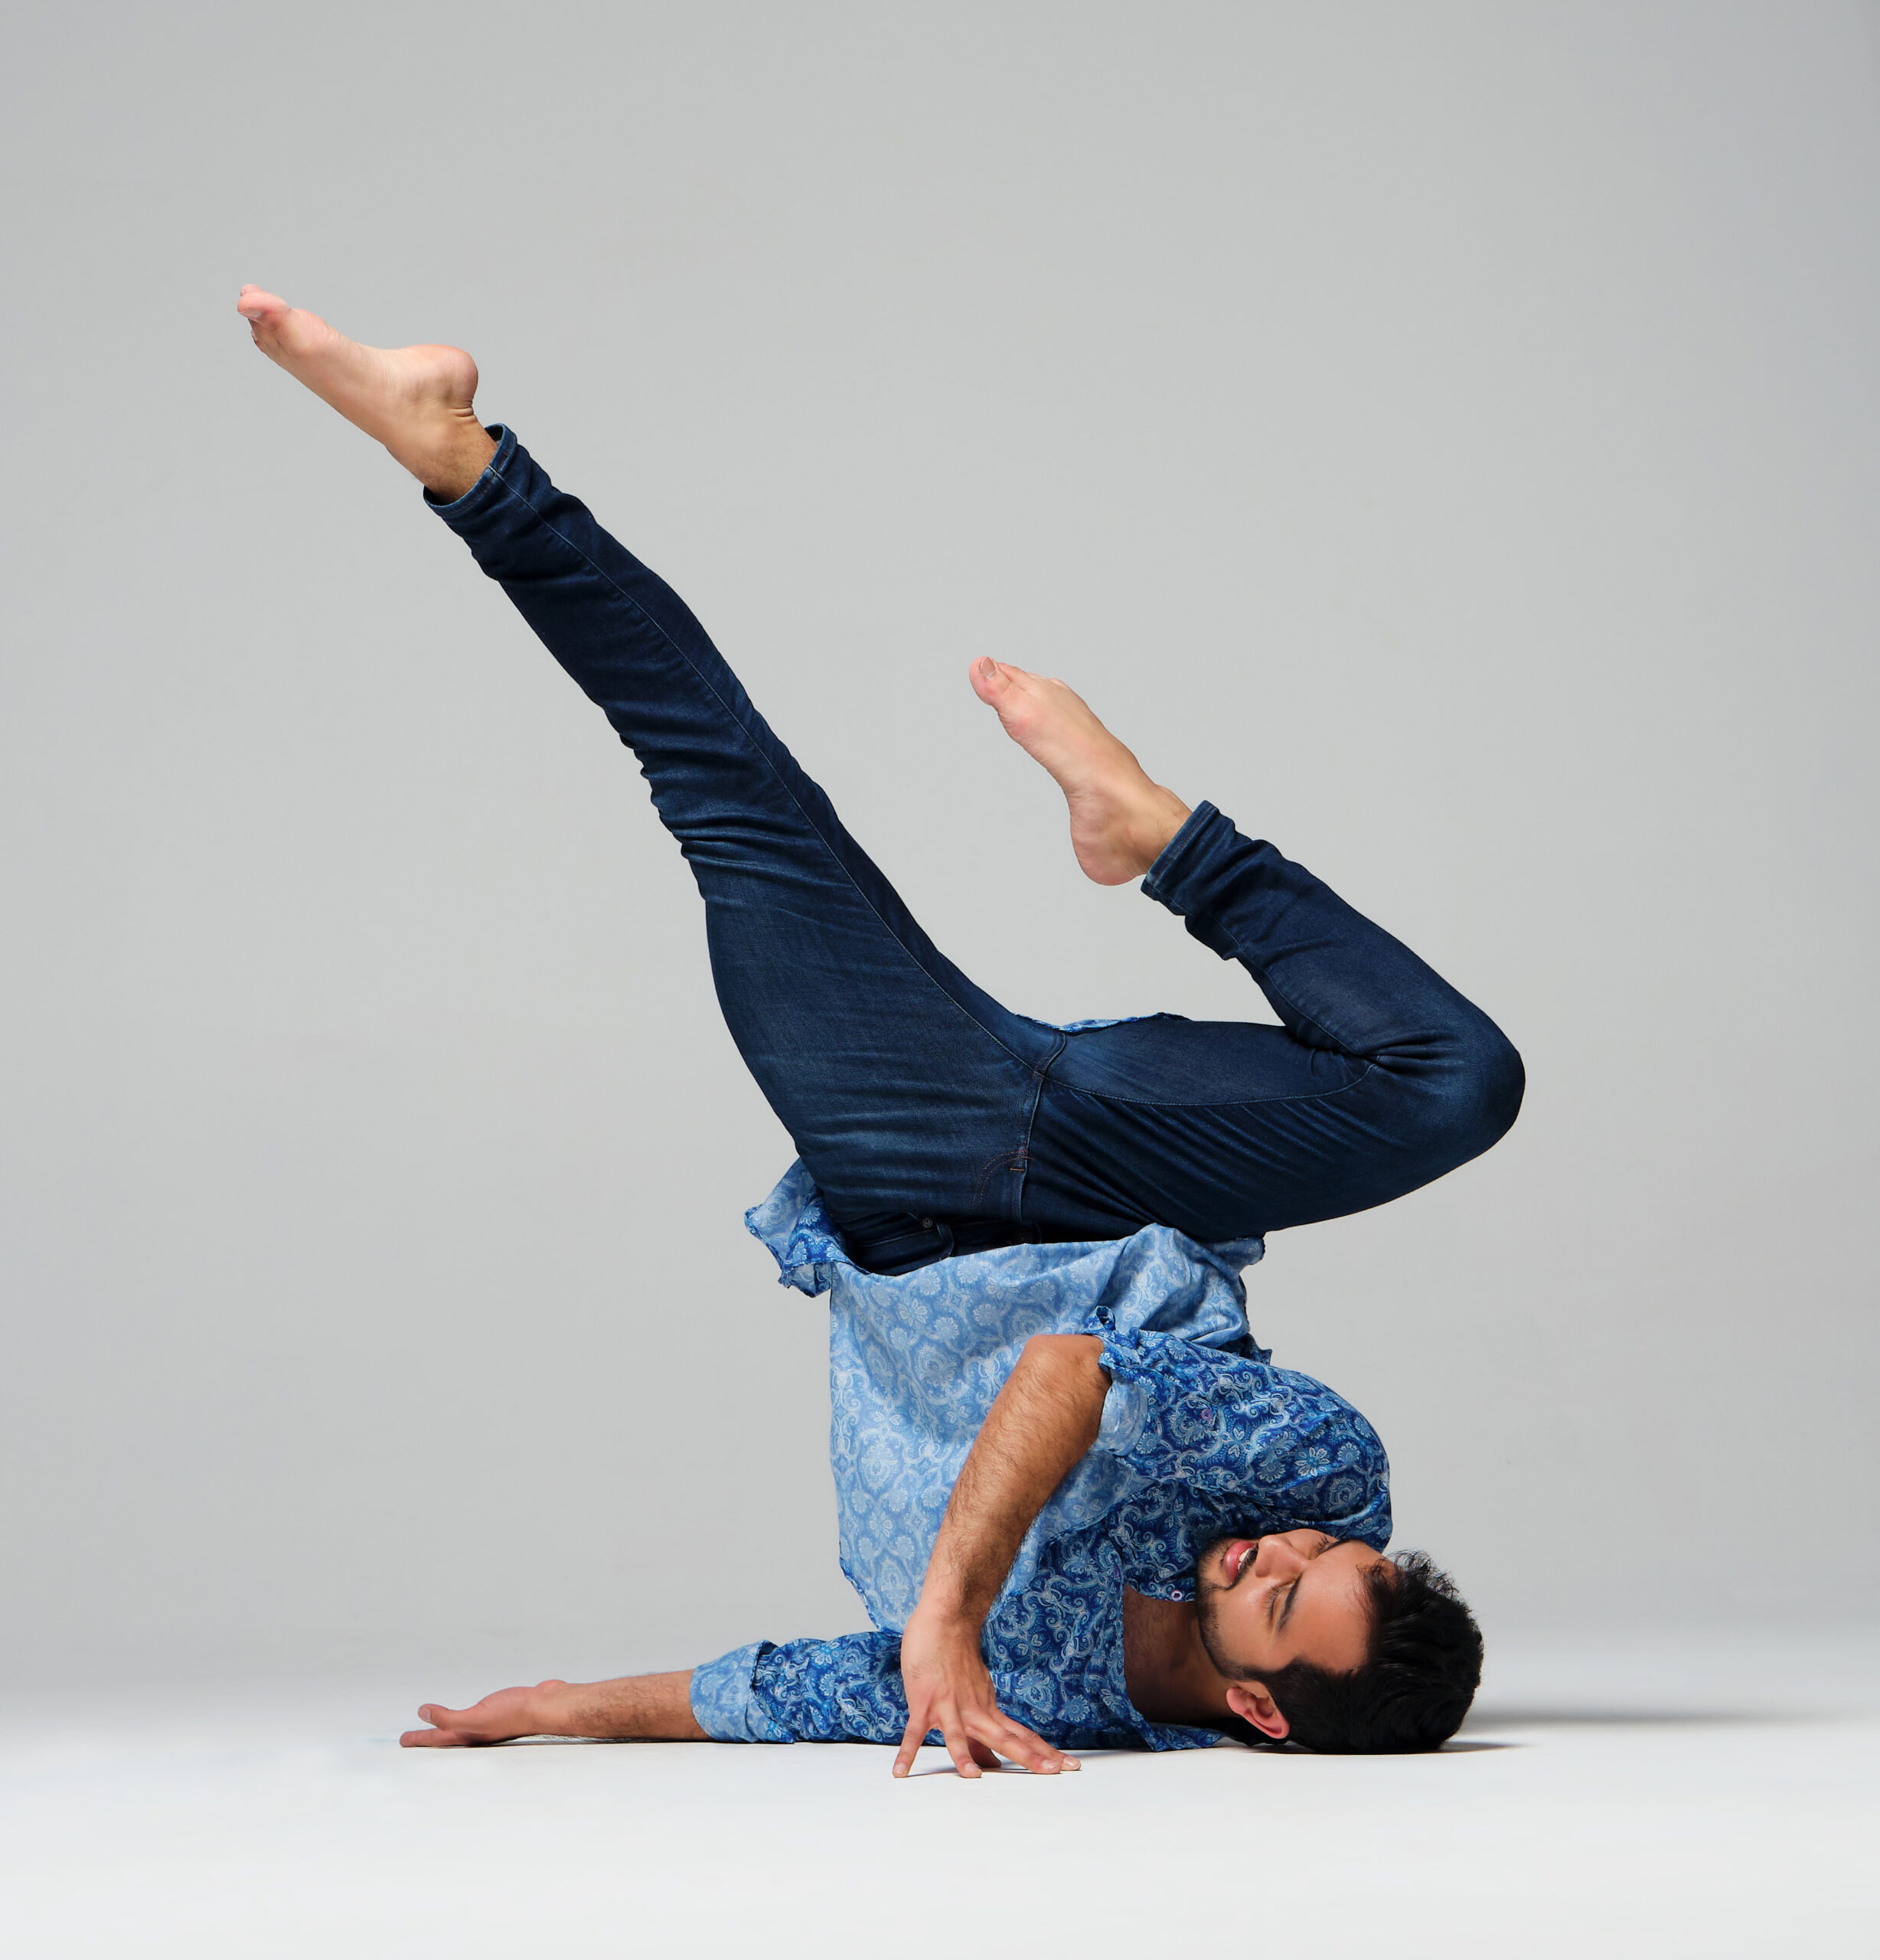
{"x": 1072, "y": 1489}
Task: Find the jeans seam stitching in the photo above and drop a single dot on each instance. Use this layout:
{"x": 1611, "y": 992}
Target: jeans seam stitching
{"x": 626, "y": 598}
{"x": 1031, "y": 1119}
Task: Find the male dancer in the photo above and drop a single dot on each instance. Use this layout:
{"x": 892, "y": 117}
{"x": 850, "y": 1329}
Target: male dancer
{"x": 1070, "y": 1484}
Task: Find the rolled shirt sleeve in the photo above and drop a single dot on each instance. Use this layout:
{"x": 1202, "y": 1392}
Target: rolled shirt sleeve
{"x": 1228, "y": 1426}
{"x": 845, "y": 1689}
{"x": 723, "y": 1705}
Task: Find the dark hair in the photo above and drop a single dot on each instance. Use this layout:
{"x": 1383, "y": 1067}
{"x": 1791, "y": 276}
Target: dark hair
{"x": 1417, "y": 1682}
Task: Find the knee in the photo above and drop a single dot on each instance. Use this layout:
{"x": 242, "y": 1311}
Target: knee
{"x": 1476, "y": 1094}
{"x": 1504, "y": 1083}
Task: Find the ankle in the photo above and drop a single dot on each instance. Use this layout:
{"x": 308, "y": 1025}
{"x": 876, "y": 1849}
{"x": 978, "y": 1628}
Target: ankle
{"x": 449, "y": 461}
{"x": 1155, "y": 826}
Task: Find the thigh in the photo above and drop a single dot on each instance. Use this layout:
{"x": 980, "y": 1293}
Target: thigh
{"x": 906, "y": 1088}
{"x": 1227, "y": 1129}
{"x": 902, "y": 1095}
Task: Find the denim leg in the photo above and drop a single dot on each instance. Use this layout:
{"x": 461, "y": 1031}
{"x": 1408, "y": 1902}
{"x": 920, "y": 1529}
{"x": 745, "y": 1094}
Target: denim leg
{"x": 905, "y": 1089}
{"x": 1381, "y": 1078}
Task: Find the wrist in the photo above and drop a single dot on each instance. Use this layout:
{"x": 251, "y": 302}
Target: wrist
{"x": 551, "y": 1709}
{"x": 949, "y": 1608}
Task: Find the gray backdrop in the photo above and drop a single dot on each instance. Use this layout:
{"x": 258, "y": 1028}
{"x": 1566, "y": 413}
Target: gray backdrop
{"x": 1444, "y": 435}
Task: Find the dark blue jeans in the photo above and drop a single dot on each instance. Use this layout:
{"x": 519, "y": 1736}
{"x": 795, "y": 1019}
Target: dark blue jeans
{"x": 933, "y": 1119}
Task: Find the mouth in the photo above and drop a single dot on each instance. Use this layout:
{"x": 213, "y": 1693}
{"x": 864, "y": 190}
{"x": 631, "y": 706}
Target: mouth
{"x": 1236, "y": 1555}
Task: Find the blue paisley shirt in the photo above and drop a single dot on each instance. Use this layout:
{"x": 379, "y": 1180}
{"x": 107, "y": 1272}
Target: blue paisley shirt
{"x": 1202, "y": 1438}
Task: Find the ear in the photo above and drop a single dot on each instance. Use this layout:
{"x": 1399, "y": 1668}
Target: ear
{"x": 1256, "y": 1707}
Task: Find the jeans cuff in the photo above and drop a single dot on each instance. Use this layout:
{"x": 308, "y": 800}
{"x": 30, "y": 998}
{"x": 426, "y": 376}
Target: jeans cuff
{"x": 1205, "y": 832}
{"x": 486, "y": 486}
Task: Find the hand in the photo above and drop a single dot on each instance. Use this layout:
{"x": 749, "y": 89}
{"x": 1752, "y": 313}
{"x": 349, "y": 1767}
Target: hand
{"x": 948, "y": 1688}
{"x": 500, "y": 1717}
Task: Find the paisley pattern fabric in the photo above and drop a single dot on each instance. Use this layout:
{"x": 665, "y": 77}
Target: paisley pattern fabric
{"x": 722, "y": 1704}
{"x": 1201, "y": 1437}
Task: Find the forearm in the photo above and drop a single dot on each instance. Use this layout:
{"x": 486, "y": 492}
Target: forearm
{"x": 646, "y": 1708}
{"x": 1043, "y": 1420}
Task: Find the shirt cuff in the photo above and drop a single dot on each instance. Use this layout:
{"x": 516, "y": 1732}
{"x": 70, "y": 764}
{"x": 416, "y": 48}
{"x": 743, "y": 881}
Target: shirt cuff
{"x": 724, "y": 1704}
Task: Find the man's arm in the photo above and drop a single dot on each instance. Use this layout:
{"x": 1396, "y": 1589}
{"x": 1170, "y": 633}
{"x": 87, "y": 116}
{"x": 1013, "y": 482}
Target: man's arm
{"x": 644, "y": 1708}
{"x": 1042, "y": 1422}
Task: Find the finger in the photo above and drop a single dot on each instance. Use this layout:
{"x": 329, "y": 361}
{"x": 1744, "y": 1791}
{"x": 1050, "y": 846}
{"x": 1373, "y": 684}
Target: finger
{"x": 960, "y": 1747}
{"x": 441, "y": 1717}
{"x": 910, "y": 1740}
{"x": 433, "y": 1738}
{"x": 986, "y": 1759}
{"x": 469, "y": 1725}
{"x": 1026, "y": 1747}
{"x": 1029, "y": 1753}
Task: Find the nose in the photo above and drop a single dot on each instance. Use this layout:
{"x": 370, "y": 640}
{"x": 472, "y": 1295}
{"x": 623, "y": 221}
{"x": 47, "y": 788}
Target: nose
{"x": 1279, "y": 1556}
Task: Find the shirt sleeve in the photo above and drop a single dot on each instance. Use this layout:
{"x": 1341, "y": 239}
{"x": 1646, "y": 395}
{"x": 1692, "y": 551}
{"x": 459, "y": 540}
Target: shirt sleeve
{"x": 1230, "y": 1427}
{"x": 846, "y": 1690}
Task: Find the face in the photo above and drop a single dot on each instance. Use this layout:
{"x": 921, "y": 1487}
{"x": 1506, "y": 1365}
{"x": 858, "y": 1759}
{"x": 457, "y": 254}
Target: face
{"x": 1290, "y": 1596}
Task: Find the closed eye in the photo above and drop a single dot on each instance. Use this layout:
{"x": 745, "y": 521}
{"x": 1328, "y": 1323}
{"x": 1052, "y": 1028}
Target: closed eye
{"x": 1292, "y": 1596}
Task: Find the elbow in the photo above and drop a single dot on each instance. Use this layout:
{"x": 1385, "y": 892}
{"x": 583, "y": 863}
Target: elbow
{"x": 1065, "y": 1371}
{"x": 1070, "y": 1354}
{"x": 1065, "y": 1383}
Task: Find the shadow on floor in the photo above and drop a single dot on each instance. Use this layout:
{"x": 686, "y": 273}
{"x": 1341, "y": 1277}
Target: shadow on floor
{"x": 1630, "y": 1718}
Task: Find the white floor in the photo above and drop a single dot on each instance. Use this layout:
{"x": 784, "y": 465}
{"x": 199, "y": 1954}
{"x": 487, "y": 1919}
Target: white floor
{"x": 1623, "y": 1798}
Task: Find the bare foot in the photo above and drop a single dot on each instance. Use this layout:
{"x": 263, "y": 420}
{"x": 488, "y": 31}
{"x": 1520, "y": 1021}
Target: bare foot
{"x": 416, "y": 400}
{"x": 1121, "y": 821}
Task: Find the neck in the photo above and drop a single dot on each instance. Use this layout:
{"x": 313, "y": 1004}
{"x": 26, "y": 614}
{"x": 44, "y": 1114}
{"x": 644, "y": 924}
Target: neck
{"x": 1165, "y": 1666}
